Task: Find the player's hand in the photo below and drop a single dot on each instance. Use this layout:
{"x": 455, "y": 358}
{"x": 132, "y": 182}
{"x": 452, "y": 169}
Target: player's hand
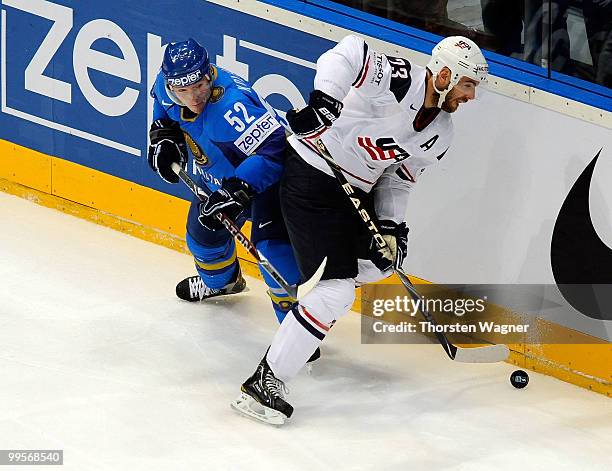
{"x": 396, "y": 237}
{"x": 167, "y": 146}
{"x": 231, "y": 199}
{"x": 321, "y": 112}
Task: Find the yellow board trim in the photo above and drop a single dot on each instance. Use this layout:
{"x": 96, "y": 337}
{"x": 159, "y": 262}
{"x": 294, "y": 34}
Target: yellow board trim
{"x": 160, "y": 218}
{"x": 25, "y": 166}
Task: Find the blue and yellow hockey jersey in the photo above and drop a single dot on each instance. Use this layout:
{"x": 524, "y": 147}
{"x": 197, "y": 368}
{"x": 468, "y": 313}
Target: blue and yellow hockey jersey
{"x": 237, "y": 134}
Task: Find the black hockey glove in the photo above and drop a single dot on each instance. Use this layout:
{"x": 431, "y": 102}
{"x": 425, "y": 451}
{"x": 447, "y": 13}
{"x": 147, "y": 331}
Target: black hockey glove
{"x": 231, "y": 199}
{"x": 396, "y": 237}
{"x": 167, "y": 146}
{"x": 321, "y": 112}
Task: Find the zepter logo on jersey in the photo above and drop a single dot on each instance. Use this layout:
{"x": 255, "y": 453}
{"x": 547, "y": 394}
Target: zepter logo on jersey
{"x": 257, "y": 132}
{"x": 198, "y": 154}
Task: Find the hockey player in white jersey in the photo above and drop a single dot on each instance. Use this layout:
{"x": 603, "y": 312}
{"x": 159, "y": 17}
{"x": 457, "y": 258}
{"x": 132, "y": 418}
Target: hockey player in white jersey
{"x": 383, "y": 120}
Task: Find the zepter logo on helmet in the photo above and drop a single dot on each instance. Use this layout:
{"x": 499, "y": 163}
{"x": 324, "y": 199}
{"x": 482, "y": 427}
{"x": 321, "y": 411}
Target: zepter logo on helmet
{"x": 184, "y": 64}
{"x": 462, "y": 57}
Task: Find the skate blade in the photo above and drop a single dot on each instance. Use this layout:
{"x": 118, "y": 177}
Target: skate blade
{"x": 248, "y": 406}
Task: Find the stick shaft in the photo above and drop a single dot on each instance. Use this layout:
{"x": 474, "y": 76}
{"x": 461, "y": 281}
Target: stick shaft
{"x": 235, "y": 231}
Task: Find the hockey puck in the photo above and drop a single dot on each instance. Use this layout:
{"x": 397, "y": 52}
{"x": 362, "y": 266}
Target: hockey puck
{"x": 519, "y": 379}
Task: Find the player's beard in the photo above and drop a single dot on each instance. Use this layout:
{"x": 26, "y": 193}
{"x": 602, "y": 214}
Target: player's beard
{"x": 452, "y": 101}
{"x": 450, "y": 106}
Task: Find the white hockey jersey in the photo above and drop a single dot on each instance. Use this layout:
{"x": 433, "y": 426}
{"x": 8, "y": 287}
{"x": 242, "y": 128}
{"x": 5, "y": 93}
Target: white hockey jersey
{"x": 383, "y": 138}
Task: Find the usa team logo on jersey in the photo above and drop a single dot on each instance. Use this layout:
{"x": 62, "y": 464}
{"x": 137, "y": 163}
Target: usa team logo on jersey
{"x": 384, "y": 148}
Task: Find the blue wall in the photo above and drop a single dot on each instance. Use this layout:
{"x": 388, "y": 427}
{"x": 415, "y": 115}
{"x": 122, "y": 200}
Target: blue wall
{"x": 144, "y": 23}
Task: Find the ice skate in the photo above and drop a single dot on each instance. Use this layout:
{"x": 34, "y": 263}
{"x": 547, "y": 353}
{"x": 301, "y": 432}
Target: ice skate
{"x": 262, "y": 397}
{"x": 193, "y": 289}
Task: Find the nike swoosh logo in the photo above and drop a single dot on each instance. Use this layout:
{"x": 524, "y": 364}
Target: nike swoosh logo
{"x": 264, "y": 224}
{"x": 578, "y": 257}
{"x": 166, "y": 103}
{"x": 412, "y": 107}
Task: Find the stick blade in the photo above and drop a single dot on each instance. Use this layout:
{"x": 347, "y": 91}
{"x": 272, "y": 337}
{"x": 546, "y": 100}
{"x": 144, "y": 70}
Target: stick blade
{"x": 307, "y": 286}
{"x": 486, "y": 354}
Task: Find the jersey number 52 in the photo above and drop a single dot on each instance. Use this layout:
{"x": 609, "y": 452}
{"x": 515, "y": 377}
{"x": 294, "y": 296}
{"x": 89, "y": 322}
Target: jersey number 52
{"x": 239, "y": 123}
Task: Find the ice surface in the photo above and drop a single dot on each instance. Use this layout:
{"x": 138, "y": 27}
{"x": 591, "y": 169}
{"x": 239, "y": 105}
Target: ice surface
{"x": 99, "y": 358}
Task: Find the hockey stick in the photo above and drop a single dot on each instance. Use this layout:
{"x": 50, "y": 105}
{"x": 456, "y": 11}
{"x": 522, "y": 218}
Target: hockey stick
{"x": 485, "y": 354}
{"x": 296, "y": 292}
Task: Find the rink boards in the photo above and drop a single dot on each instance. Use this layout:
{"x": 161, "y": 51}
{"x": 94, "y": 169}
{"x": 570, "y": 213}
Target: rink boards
{"x": 73, "y": 130}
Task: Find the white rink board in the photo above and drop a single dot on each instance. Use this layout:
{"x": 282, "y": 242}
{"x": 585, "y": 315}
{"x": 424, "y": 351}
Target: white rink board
{"x": 486, "y": 213}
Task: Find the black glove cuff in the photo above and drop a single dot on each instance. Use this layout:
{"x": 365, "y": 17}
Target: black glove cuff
{"x": 327, "y": 107}
{"x": 306, "y": 122}
{"x": 166, "y": 129}
{"x": 388, "y": 227}
{"x": 240, "y": 190}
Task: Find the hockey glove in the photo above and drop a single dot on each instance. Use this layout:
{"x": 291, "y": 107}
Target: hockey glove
{"x": 231, "y": 199}
{"x": 321, "y": 112}
{"x": 167, "y": 146}
{"x": 396, "y": 237}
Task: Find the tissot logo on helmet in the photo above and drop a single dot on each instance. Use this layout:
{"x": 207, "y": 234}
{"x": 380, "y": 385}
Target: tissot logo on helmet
{"x": 463, "y": 45}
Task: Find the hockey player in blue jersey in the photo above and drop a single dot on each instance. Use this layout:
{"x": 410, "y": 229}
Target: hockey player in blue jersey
{"x": 238, "y": 145}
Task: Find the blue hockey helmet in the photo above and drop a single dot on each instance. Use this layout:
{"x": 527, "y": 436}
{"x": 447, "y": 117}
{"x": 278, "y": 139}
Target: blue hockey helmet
{"x": 185, "y": 63}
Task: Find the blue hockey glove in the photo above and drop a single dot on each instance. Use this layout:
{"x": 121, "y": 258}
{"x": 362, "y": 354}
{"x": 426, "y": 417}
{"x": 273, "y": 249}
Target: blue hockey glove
{"x": 321, "y": 112}
{"x": 396, "y": 237}
{"x": 167, "y": 146}
{"x": 231, "y": 199}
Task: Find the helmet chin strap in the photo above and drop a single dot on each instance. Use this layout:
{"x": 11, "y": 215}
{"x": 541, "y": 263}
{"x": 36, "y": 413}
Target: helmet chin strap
{"x": 442, "y": 93}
